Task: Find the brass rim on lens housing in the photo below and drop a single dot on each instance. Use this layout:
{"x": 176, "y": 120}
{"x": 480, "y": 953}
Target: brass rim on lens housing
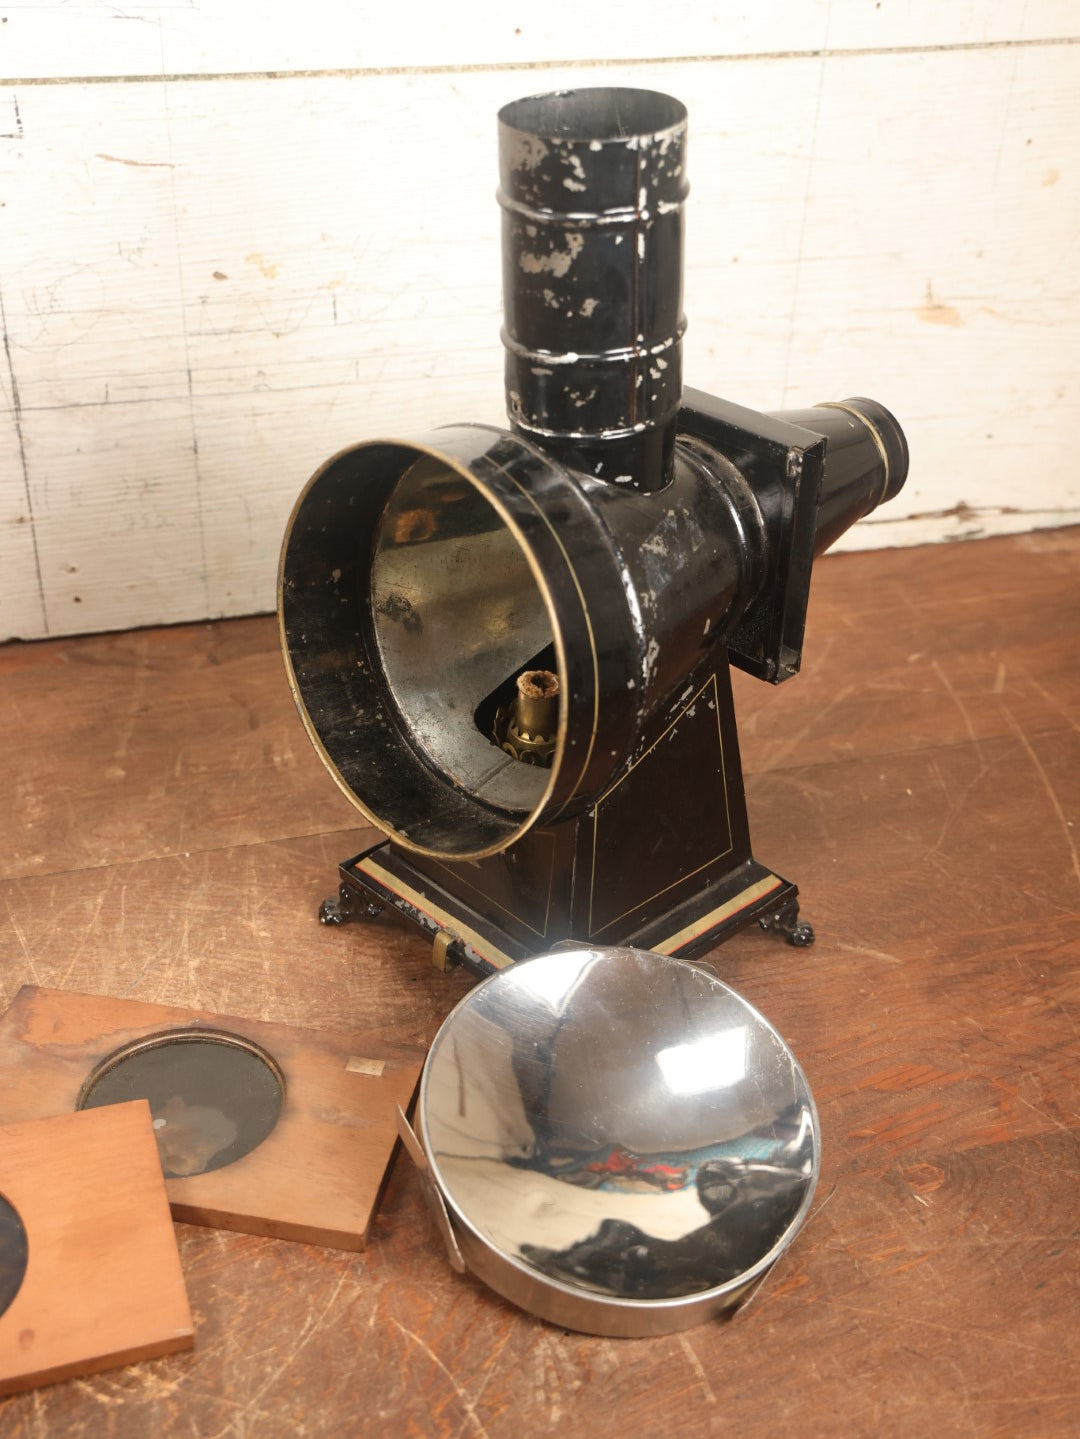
{"x": 380, "y": 821}
{"x": 332, "y": 637}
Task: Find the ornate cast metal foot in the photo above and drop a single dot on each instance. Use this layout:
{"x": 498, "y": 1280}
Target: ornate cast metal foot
{"x": 785, "y": 920}
{"x": 347, "y": 906}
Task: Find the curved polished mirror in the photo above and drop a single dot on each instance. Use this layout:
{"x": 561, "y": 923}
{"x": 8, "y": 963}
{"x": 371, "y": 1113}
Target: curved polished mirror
{"x": 621, "y": 1123}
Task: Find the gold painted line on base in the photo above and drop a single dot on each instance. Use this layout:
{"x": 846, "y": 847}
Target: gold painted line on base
{"x": 724, "y": 911}
{"x": 442, "y": 917}
{"x": 540, "y": 933}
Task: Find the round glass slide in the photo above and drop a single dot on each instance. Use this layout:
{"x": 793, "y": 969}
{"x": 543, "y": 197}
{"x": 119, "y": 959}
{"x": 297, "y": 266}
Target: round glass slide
{"x": 13, "y": 1253}
{"x": 213, "y": 1096}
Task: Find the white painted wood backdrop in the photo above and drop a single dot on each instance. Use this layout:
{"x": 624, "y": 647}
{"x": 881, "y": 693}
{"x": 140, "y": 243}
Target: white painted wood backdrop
{"x": 235, "y": 237}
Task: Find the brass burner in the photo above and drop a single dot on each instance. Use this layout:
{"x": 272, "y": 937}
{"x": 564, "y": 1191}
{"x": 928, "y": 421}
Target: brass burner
{"x": 528, "y": 728}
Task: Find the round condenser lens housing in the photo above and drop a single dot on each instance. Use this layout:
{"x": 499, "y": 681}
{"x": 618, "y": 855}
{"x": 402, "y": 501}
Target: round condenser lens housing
{"x": 457, "y": 613}
{"x": 419, "y": 580}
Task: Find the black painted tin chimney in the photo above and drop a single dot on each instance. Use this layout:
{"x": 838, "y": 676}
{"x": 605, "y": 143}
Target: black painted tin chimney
{"x": 592, "y": 185}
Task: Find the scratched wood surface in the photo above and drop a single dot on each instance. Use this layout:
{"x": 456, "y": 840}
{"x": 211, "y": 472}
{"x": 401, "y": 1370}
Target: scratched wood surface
{"x": 171, "y": 833}
{"x": 103, "y": 1283}
{"x": 231, "y": 246}
{"x": 315, "y": 1179}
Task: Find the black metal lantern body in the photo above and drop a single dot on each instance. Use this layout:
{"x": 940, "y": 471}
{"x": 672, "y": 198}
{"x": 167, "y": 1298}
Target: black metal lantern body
{"x": 511, "y": 648}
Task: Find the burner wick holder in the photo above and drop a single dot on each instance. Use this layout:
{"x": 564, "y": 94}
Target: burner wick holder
{"x": 626, "y": 538}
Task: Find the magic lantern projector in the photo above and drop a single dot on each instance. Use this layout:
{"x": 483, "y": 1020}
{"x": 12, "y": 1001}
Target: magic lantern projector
{"x": 511, "y": 647}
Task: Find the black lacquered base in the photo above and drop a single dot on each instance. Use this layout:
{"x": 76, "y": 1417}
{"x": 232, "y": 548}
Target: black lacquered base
{"x": 661, "y": 861}
{"x": 382, "y": 879}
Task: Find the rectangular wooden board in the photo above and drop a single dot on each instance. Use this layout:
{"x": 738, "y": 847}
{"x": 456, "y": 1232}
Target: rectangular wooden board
{"x": 102, "y": 1284}
{"x": 315, "y": 1178}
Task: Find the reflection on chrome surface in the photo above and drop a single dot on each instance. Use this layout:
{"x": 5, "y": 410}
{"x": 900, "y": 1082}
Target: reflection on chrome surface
{"x": 620, "y": 1122}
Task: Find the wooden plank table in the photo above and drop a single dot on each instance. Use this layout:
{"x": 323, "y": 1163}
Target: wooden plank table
{"x": 169, "y": 834}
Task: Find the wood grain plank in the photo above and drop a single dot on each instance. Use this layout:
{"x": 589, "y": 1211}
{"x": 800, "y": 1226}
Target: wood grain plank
{"x": 212, "y": 36}
{"x": 229, "y": 931}
{"x": 936, "y": 1282}
{"x": 21, "y": 606}
{"x": 927, "y": 665}
{"x": 984, "y": 322}
{"x": 210, "y": 287}
{"x": 171, "y": 741}
{"x": 103, "y": 1285}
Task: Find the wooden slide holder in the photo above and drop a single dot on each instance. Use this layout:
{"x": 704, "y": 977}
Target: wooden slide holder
{"x": 317, "y": 1175}
{"x": 101, "y": 1283}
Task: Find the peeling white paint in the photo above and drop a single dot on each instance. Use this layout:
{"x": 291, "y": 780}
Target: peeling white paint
{"x": 652, "y": 654}
{"x": 558, "y": 262}
{"x": 637, "y": 619}
{"x": 525, "y": 152}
